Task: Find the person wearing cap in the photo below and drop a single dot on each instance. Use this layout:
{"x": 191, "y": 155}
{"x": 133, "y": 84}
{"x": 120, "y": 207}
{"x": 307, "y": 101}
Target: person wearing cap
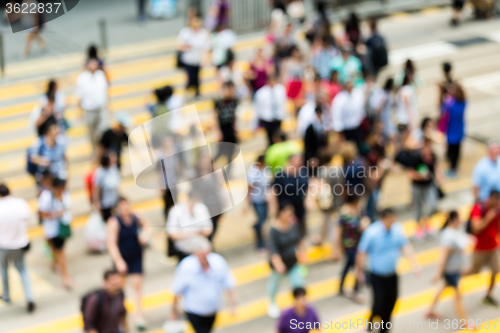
{"x": 115, "y": 137}
{"x": 200, "y": 280}
{"x": 486, "y": 174}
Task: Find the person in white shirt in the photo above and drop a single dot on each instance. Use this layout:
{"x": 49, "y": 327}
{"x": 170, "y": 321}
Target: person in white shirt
{"x": 194, "y": 43}
{"x": 270, "y": 105}
{"x": 407, "y": 109}
{"x": 348, "y": 111}
{"x": 14, "y": 241}
{"x": 307, "y": 113}
{"x": 223, "y": 39}
{"x": 92, "y": 92}
{"x": 186, "y": 222}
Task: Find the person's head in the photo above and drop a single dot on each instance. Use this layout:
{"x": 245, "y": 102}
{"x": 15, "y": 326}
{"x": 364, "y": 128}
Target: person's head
{"x": 163, "y": 94}
{"x": 493, "y": 150}
{"x": 261, "y": 161}
{"x": 201, "y": 249}
{"x": 353, "y": 19}
{"x": 295, "y": 161}
{"x": 279, "y": 136}
{"x": 299, "y": 297}
{"x": 427, "y": 124}
{"x": 196, "y": 22}
{"x": 447, "y": 68}
{"x": 123, "y": 120}
{"x": 286, "y": 213}
{"x": 493, "y": 199}
{"x": 334, "y": 76}
{"x": 373, "y": 25}
{"x": 348, "y": 85}
{"x": 452, "y": 221}
{"x": 58, "y": 186}
{"x": 409, "y": 66}
{"x": 93, "y": 65}
{"x": 51, "y": 89}
{"x": 389, "y": 84}
{"x": 92, "y": 52}
{"x": 345, "y": 51}
{"x": 457, "y": 92}
{"x": 228, "y": 89}
{"x": 295, "y": 52}
{"x": 259, "y": 53}
{"x": 318, "y": 111}
{"x": 326, "y": 42}
{"x": 388, "y": 216}
{"x": 47, "y": 179}
{"x": 113, "y": 281}
{"x": 105, "y": 160}
{"x": 288, "y": 28}
{"x": 4, "y": 191}
{"x": 408, "y": 78}
{"x": 353, "y": 200}
{"x": 426, "y": 152}
{"x": 348, "y": 151}
{"x": 123, "y": 206}
{"x": 272, "y": 79}
{"x": 51, "y": 130}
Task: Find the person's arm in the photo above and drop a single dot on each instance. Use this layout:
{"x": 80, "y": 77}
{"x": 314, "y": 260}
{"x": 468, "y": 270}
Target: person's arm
{"x": 441, "y": 264}
{"x": 302, "y": 252}
{"x": 216, "y": 126}
{"x": 232, "y": 302}
{"x": 414, "y": 175}
{"x": 124, "y": 324}
{"x": 475, "y": 193}
{"x": 95, "y": 195}
{"x": 145, "y": 234}
{"x": 276, "y": 260}
{"x": 175, "y": 307}
{"x": 112, "y": 243}
{"x": 337, "y": 250}
{"x": 410, "y": 255}
{"x": 478, "y": 223}
{"x": 359, "y": 266}
{"x": 44, "y": 115}
{"x": 89, "y": 314}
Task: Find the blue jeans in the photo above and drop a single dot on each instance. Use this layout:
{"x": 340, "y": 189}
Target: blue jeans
{"x": 261, "y": 211}
{"x": 17, "y": 256}
{"x": 293, "y": 275}
{"x": 350, "y": 261}
{"x": 371, "y": 205}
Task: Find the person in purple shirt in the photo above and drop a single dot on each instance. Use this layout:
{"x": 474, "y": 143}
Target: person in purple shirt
{"x": 301, "y": 318}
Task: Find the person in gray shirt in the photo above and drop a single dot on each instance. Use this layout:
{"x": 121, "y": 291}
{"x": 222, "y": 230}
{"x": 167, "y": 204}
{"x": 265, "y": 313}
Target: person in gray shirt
{"x": 454, "y": 242}
{"x": 106, "y": 182}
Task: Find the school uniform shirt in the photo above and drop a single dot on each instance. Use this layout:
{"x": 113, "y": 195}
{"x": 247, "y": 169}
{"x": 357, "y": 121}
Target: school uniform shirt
{"x": 15, "y": 217}
{"x": 348, "y": 110}
{"x": 486, "y": 176}
{"x": 270, "y": 102}
{"x": 199, "y": 42}
{"x": 55, "y": 154}
{"x": 92, "y": 90}
{"x": 383, "y": 247}
{"x": 202, "y": 291}
{"x": 48, "y": 204}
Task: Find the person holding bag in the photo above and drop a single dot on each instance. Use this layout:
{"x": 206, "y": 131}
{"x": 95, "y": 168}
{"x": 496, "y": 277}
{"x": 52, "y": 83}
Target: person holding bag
{"x": 54, "y": 207}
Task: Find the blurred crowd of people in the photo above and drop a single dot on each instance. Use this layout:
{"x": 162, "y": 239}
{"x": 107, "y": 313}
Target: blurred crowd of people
{"x": 351, "y": 132}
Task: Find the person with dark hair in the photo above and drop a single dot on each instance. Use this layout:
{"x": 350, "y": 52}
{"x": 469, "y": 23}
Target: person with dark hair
{"x": 300, "y": 317}
{"x": 377, "y": 49}
{"x": 127, "y": 235}
{"x": 455, "y": 130}
{"x": 321, "y": 55}
{"x": 383, "y": 241}
{"x": 484, "y": 224}
{"x": 104, "y": 309}
{"x": 106, "y": 185}
{"x": 286, "y": 250}
{"x": 383, "y": 103}
{"x": 458, "y": 6}
{"x": 48, "y": 152}
{"x": 259, "y": 178}
{"x": 348, "y": 66}
{"x": 54, "y": 207}
{"x": 51, "y": 107}
{"x": 349, "y": 228}
{"x": 352, "y": 29}
{"x": 14, "y": 241}
{"x": 454, "y": 243}
{"x": 270, "y": 104}
{"x": 194, "y": 43}
{"x": 225, "y": 112}
{"x": 260, "y": 69}
{"x": 113, "y": 139}
{"x": 407, "y": 108}
{"x": 445, "y": 83}
{"x": 315, "y": 139}
{"x": 223, "y": 40}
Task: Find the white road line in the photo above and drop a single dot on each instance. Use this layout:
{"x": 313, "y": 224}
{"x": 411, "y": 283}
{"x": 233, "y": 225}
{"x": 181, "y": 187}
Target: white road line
{"x": 420, "y": 52}
{"x": 487, "y": 83}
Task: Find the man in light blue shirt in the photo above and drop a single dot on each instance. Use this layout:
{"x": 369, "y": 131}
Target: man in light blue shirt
{"x": 486, "y": 174}
{"x": 383, "y": 241}
{"x": 200, "y": 280}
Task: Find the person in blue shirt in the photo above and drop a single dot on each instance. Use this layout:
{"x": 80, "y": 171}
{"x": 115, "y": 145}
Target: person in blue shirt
{"x": 383, "y": 241}
{"x": 455, "y": 107}
{"x": 486, "y": 173}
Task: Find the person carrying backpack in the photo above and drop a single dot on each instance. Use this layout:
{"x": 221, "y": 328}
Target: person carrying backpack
{"x": 377, "y": 50}
{"x": 103, "y": 310}
{"x": 484, "y": 225}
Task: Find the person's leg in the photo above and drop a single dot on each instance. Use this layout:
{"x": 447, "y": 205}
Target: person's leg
{"x": 418, "y": 200}
{"x": 18, "y": 257}
{"x": 390, "y": 286}
{"x": 432, "y": 310}
{"x": 201, "y": 324}
{"x": 272, "y": 285}
{"x": 57, "y": 247}
{"x": 27, "y": 47}
{"x": 215, "y": 221}
{"x": 495, "y": 268}
{"x": 196, "y": 80}
{"x": 136, "y": 280}
{"x": 41, "y": 42}
{"x": 269, "y": 131}
{"x": 261, "y": 211}
{"x": 377, "y": 299}
{"x": 91, "y": 120}
{"x": 295, "y": 277}
{"x": 5, "y": 275}
{"x": 347, "y": 266}
{"x": 189, "y": 74}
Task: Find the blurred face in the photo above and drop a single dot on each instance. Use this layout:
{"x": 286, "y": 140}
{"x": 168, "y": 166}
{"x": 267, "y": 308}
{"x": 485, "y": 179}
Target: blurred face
{"x": 494, "y": 151}
{"x": 389, "y": 220}
{"x": 228, "y": 92}
{"x": 202, "y": 257}
{"x": 426, "y": 152}
{"x": 58, "y": 191}
{"x": 493, "y": 201}
{"x": 124, "y": 207}
{"x": 349, "y": 86}
{"x": 287, "y": 215}
{"x": 114, "y": 283}
{"x": 93, "y": 65}
{"x": 301, "y": 302}
{"x": 296, "y": 53}
{"x": 296, "y": 162}
{"x": 53, "y": 131}
{"x": 195, "y": 23}
{"x": 113, "y": 159}
{"x": 334, "y": 77}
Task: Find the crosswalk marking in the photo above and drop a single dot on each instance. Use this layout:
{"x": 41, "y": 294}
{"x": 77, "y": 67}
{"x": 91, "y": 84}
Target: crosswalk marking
{"x": 421, "y": 52}
{"x": 486, "y": 83}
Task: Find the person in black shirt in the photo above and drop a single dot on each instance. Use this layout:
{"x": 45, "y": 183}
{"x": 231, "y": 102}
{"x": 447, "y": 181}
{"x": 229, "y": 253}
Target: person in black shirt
{"x": 225, "y": 109}
{"x": 114, "y": 138}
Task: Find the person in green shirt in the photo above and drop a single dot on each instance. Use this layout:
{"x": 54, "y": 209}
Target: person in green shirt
{"x": 348, "y": 67}
{"x": 278, "y": 154}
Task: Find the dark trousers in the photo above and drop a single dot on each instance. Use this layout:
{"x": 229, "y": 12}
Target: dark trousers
{"x": 201, "y": 324}
{"x": 215, "y": 221}
{"x": 193, "y": 74}
{"x": 226, "y": 150}
{"x": 261, "y": 211}
{"x": 453, "y": 154}
{"x": 142, "y": 6}
{"x": 106, "y": 213}
{"x": 385, "y": 294}
{"x": 270, "y": 127}
{"x": 355, "y": 136}
{"x": 349, "y": 263}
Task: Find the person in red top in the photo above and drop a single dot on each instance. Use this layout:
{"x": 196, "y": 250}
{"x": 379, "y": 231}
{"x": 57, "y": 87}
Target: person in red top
{"x": 484, "y": 225}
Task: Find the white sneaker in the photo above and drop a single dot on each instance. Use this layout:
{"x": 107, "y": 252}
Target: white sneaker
{"x": 273, "y": 311}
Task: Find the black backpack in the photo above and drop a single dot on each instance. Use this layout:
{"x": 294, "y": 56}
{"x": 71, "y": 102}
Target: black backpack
{"x": 378, "y": 52}
{"x": 468, "y": 226}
